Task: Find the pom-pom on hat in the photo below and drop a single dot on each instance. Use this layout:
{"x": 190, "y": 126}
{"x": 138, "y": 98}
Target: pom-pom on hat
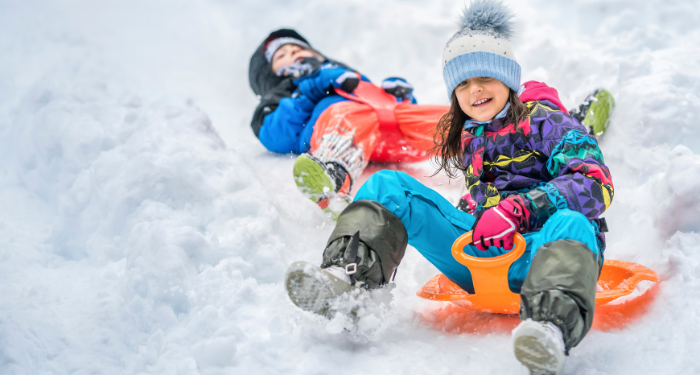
{"x": 481, "y": 48}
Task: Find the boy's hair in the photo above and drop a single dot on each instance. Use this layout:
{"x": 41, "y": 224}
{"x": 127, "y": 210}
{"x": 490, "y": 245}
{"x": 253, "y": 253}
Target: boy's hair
{"x": 448, "y": 152}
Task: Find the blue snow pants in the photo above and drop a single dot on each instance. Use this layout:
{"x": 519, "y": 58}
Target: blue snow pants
{"x": 433, "y": 224}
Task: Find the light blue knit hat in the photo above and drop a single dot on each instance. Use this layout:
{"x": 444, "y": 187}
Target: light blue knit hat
{"x": 481, "y": 47}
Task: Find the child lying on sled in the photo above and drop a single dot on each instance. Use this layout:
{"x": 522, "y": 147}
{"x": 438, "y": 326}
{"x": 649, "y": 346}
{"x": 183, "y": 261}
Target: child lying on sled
{"x": 300, "y": 111}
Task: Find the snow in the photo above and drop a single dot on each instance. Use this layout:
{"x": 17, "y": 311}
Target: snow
{"x": 144, "y": 229}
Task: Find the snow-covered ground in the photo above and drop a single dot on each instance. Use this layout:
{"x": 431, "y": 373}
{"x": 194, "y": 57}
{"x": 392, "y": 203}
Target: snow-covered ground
{"x": 144, "y": 230}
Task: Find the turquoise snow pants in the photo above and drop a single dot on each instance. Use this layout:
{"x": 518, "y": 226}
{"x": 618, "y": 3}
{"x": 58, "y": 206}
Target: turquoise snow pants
{"x": 433, "y": 224}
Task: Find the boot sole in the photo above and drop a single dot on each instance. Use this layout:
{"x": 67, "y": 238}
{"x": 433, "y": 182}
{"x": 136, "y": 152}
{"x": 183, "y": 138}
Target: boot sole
{"x": 312, "y": 289}
{"x": 311, "y": 179}
{"x": 535, "y": 356}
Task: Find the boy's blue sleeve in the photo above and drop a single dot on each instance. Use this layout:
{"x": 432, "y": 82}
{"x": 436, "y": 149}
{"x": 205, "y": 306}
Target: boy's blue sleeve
{"x": 281, "y": 129}
{"x": 290, "y": 127}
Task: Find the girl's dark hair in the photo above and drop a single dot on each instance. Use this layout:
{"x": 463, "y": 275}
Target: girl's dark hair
{"x": 447, "y": 152}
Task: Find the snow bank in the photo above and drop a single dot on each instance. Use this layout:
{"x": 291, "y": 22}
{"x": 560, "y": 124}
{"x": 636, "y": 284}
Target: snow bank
{"x": 144, "y": 230}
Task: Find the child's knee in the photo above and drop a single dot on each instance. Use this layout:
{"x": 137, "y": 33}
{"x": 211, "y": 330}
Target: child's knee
{"x": 384, "y": 180}
{"x": 381, "y": 186}
{"x": 569, "y": 224}
{"x": 386, "y": 175}
{"x": 570, "y": 216}
{"x": 385, "y": 187}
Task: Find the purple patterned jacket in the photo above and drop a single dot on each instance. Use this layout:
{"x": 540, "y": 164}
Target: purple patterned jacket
{"x": 550, "y": 161}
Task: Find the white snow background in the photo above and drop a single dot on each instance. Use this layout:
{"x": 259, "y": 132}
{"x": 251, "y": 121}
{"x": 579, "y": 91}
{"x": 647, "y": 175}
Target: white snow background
{"x": 144, "y": 229}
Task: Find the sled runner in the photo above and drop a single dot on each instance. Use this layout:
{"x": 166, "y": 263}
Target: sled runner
{"x": 492, "y": 294}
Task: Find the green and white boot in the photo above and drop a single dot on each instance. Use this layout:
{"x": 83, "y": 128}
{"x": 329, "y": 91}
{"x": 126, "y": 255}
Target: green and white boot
{"x": 595, "y": 112}
{"x": 326, "y": 184}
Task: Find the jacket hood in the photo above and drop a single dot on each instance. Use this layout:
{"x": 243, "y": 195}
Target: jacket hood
{"x": 260, "y": 75}
{"x": 536, "y": 91}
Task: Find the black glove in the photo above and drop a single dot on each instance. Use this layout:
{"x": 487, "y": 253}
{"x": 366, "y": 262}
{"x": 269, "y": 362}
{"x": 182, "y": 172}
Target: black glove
{"x": 300, "y": 68}
{"x": 347, "y": 82}
{"x": 399, "y": 88}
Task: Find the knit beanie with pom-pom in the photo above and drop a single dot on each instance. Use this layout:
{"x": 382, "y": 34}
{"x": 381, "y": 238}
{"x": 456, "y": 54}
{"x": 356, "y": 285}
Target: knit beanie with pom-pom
{"x": 481, "y": 47}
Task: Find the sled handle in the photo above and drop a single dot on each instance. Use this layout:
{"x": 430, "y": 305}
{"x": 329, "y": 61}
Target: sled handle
{"x": 489, "y": 275}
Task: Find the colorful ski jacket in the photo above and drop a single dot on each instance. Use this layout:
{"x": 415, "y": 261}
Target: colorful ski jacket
{"x": 550, "y": 161}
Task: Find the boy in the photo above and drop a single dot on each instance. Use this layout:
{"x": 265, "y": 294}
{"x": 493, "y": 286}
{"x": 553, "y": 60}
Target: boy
{"x": 296, "y": 85}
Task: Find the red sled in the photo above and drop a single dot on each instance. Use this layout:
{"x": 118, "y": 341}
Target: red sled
{"x": 387, "y": 131}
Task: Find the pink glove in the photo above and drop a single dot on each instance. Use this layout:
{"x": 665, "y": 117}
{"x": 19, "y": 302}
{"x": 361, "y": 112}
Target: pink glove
{"x": 467, "y": 204}
{"x": 497, "y": 225}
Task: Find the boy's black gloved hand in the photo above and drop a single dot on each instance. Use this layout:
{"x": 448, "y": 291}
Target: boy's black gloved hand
{"x": 300, "y": 68}
{"x": 399, "y": 88}
{"x": 348, "y": 82}
{"x": 467, "y": 204}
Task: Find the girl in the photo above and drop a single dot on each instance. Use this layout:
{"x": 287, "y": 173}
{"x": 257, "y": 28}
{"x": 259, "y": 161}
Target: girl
{"x": 529, "y": 167}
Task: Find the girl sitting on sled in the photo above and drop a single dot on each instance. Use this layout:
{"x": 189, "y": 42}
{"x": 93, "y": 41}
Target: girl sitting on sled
{"x": 529, "y": 166}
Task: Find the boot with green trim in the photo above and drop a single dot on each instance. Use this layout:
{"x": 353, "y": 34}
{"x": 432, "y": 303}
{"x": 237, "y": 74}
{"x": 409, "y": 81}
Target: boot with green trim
{"x": 595, "y": 112}
{"x": 326, "y": 184}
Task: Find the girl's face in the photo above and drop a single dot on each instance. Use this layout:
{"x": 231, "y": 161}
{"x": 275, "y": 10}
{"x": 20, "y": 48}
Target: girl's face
{"x": 481, "y": 98}
{"x": 288, "y": 54}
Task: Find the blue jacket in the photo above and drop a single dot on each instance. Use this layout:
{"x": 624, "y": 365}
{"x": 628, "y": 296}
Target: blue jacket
{"x": 290, "y": 126}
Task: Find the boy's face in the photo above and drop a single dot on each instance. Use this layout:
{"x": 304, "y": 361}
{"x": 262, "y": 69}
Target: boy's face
{"x": 288, "y": 54}
{"x": 481, "y": 98}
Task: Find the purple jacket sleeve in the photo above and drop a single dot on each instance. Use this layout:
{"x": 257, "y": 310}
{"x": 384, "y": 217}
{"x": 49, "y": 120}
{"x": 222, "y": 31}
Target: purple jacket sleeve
{"x": 484, "y": 193}
{"x": 581, "y": 180}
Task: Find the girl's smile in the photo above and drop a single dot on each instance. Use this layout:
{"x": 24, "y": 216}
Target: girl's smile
{"x": 481, "y": 102}
{"x": 481, "y": 98}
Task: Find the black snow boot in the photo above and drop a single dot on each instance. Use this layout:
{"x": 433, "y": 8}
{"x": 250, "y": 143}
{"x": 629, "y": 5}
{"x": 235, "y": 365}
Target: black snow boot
{"x": 363, "y": 251}
{"x": 557, "y": 302}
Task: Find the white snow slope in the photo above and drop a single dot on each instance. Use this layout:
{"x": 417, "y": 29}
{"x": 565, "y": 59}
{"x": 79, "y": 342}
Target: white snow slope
{"x": 144, "y": 230}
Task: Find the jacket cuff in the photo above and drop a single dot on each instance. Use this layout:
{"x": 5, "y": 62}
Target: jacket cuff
{"x": 528, "y": 219}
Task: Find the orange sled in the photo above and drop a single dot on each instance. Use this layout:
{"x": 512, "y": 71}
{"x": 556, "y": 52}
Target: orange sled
{"x": 492, "y": 293}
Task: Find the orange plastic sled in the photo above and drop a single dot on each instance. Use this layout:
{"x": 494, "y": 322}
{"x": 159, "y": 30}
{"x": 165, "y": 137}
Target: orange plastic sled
{"x": 386, "y": 131}
{"x": 493, "y": 295}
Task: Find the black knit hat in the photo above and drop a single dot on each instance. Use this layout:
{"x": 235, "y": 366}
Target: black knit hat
{"x": 260, "y": 75}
